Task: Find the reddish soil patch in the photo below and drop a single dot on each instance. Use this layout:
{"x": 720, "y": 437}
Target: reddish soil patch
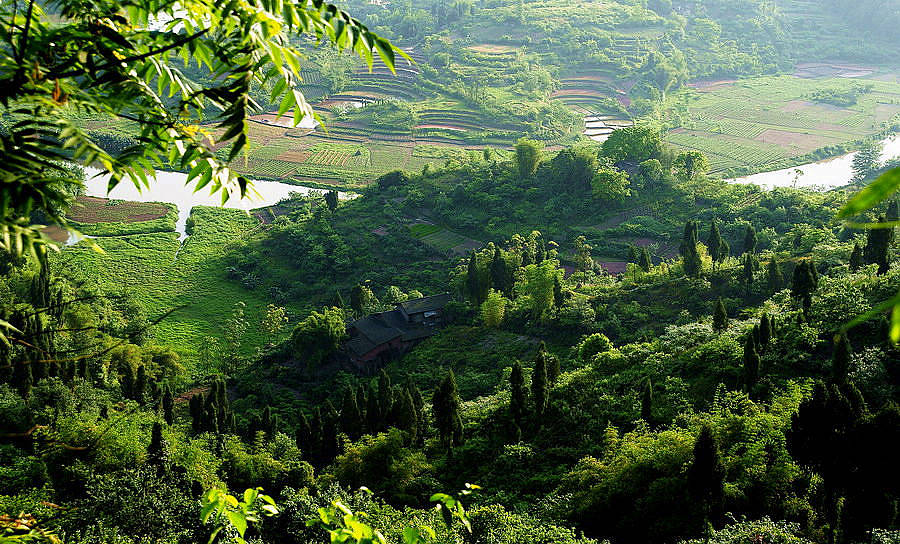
{"x": 790, "y": 139}
{"x": 89, "y": 209}
{"x": 614, "y": 267}
{"x": 57, "y": 234}
{"x": 624, "y": 100}
{"x": 796, "y": 105}
{"x": 466, "y": 247}
{"x": 293, "y": 156}
{"x": 187, "y": 395}
{"x": 380, "y": 231}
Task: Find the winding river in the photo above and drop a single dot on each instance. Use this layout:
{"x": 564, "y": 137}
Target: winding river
{"x": 170, "y": 187}
{"x": 824, "y": 175}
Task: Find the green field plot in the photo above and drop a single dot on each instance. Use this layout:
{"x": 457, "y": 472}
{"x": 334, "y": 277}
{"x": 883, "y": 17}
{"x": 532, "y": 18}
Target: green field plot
{"x": 163, "y": 276}
{"x": 420, "y": 230}
{"x": 444, "y": 240}
{"x": 768, "y": 122}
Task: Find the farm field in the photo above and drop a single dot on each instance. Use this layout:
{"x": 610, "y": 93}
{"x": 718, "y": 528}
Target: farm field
{"x": 105, "y": 217}
{"x": 774, "y": 122}
{"x": 162, "y": 277}
{"x": 442, "y": 239}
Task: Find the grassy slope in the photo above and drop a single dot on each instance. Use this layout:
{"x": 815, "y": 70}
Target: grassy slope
{"x": 146, "y": 265}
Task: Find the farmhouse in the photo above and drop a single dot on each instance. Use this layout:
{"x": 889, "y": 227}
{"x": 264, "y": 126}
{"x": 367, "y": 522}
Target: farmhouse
{"x": 377, "y": 338}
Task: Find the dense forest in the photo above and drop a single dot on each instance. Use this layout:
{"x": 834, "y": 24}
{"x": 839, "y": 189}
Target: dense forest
{"x": 627, "y": 347}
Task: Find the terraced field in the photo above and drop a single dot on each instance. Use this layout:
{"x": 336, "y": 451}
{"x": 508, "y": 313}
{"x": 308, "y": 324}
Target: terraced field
{"x": 769, "y": 123}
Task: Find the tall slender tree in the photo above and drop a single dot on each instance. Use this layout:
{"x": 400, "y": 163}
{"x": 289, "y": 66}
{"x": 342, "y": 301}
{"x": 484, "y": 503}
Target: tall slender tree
{"x": 351, "y": 418}
{"x": 647, "y": 402}
{"x": 720, "y": 316}
{"x": 445, "y": 405}
{"x": 750, "y": 240}
{"x": 840, "y": 363}
{"x": 878, "y": 245}
{"x": 168, "y": 405}
{"x": 856, "y": 257}
{"x": 473, "y": 280}
{"x": 751, "y": 364}
{"x": 540, "y": 394}
{"x": 517, "y": 394}
{"x": 706, "y": 476}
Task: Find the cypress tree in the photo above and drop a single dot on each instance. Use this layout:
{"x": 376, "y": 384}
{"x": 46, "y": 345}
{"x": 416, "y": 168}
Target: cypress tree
{"x": 775, "y": 277}
{"x": 715, "y": 243}
{"x": 840, "y": 363}
{"x": 517, "y": 395}
{"x": 751, "y": 364}
{"x": 747, "y": 272}
{"x": 373, "y": 412}
{"x": 351, "y": 418}
{"x": 498, "y": 271}
{"x": 156, "y": 451}
{"x": 53, "y": 369}
{"x": 692, "y": 262}
{"x": 756, "y": 337}
{"x": 316, "y": 436}
{"x": 407, "y": 420}
{"x": 706, "y": 476}
{"x": 446, "y": 410}
{"x": 856, "y": 257}
{"x": 419, "y": 405}
{"x": 877, "y": 249}
{"x": 127, "y": 382}
{"x": 195, "y": 407}
{"x": 646, "y": 263}
{"x": 83, "y": 372}
{"x": 803, "y": 284}
{"x": 720, "y": 316}
{"x": 303, "y": 436}
{"x": 385, "y": 399}
{"x": 647, "y": 402}
{"x": 168, "y": 405}
{"x": 473, "y": 280}
{"x": 361, "y": 403}
{"x": 750, "y": 240}
{"x": 558, "y": 297}
{"x": 540, "y": 394}
{"x": 23, "y": 379}
{"x": 38, "y": 371}
{"x": 140, "y": 385}
{"x": 892, "y": 216}
{"x": 330, "y": 424}
{"x": 765, "y": 330}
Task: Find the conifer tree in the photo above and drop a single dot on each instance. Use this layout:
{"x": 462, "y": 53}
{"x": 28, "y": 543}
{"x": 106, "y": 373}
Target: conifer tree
{"x": 803, "y": 284}
{"x": 706, "y": 476}
{"x": 473, "y": 280}
{"x": 140, "y": 385}
{"x": 498, "y": 272}
{"x": 646, "y": 263}
{"x": 840, "y": 363}
{"x": 747, "y": 272}
{"x": 407, "y": 420}
{"x": 373, "y": 412}
{"x": 765, "y": 330}
{"x": 715, "y": 243}
{"x": 23, "y": 379}
{"x": 385, "y": 399}
{"x": 892, "y": 216}
{"x": 303, "y": 436}
{"x": 446, "y": 410}
{"x": 775, "y": 278}
{"x": 156, "y": 450}
{"x": 361, "y": 402}
{"x": 756, "y": 341}
{"x": 720, "y": 316}
{"x": 168, "y": 406}
{"x": 83, "y": 371}
{"x": 692, "y": 262}
{"x": 750, "y": 240}
{"x": 351, "y": 418}
{"x": 419, "y": 405}
{"x": 751, "y": 364}
{"x": 517, "y": 395}
{"x": 647, "y": 402}
{"x": 877, "y": 249}
{"x": 316, "y": 436}
{"x": 195, "y": 407}
{"x": 540, "y": 394}
{"x": 856, "y": 257}
{"x": 330, "y": 423}
{"x": 558, "y": 296}
{"x": 126, "y": 383}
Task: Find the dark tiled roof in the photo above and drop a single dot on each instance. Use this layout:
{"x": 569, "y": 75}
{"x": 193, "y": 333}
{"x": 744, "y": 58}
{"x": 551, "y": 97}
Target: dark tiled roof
{"x": 425, "y": 304}
{"x": 360, "y": 345}
{"x": 376, "y": 327}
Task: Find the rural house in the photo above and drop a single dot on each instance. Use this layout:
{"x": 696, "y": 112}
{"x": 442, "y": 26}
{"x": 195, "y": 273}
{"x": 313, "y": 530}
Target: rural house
{"x": 377, "y": 338}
